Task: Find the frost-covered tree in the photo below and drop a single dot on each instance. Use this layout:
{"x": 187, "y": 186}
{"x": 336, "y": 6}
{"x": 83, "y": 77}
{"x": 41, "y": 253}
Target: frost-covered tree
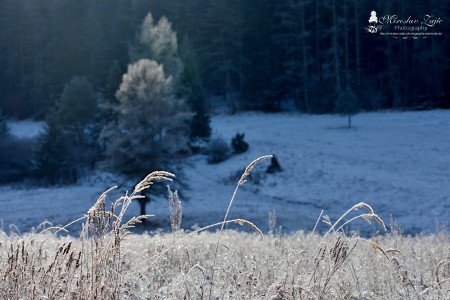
{"x": 151, "y": 124}
{"x": 158, "y": 42}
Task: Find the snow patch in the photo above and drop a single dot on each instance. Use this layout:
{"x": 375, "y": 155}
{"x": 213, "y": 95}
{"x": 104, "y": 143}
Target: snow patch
{"x": 26, "y": 128}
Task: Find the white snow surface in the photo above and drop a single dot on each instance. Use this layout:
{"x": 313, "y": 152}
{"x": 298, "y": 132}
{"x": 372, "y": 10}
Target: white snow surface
{"x": 397, "y": 162}
{"x": 25, "y": 128}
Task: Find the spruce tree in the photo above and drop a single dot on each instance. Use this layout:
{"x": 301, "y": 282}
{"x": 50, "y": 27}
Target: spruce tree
{"x": 51, "y": 161}
{"x": 191, "y": 88}
{"x": 347, "y": 104}
{"x": 70, "y": 144}
{"x": 109, "y": 100}
{"x": 159, "y": 42}
{"x": 3, "y": 127}
{"x": 77, "y": 105}
{"x": 151, "y": 121}
{"x": 113, "y": 81}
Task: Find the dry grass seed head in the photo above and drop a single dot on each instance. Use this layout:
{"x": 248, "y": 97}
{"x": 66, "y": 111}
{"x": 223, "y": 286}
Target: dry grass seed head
{"x": 367, "y": 218}
{"x": 378, "y": 219}
{"x": 148, "y": 180}
{"x": 363, "y": 205}
{"x": 251, "y": 166}
{"x": 379, "y": 248}
{"x": 339, "y": 252}
{"x": 133, "y": 221}
{"x": 175, "y": 210}
{"x": 249, "y": 224}
{"x": 100, "y": 200}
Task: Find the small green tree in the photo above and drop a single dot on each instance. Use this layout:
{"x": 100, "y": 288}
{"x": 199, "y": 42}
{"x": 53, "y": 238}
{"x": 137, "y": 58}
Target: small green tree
{"x": 109, "y": 100}
{"x": 113, "y": 81}
{"x": 191, "y": 88}
{"x": 347, "y": 104}
{"x": 50, "y": 158}
{"x": 76, "y": 107}
{"x": 70, "y": 144}
{"x": 238, "y": 143}
{"x": 218, "y": 150}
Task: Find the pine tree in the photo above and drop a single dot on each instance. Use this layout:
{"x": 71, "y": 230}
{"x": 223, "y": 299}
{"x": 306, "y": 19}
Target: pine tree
{"x": 109, "y": 100}
{"x": 347, "y": 104}
{"x": 191, "y": 88}
{"x": 75, "y": 113}
{"x": 293, "y": 37}
{"x": 159, "y": 43}
{"x": 264, "y": 57}
{"x": 70, "y": 141}
{"x": 50, "y": 156}
{"x": 3, "y": 127}
{"x": 222, "y": 48}
{"x": 113, "y": 81}
{"x": 151, "y": 124}
{"x": 77, "y": 105}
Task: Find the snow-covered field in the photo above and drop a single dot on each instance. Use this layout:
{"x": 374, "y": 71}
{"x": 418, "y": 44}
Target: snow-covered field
{"x": 398, "y": 162}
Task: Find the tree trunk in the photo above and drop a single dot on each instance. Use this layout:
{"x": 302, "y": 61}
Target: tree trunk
{"x": 142, "y": 204}
{"x": 317, "y": 40}
{"x": 337, "y": 68}
{"x": 304, "y": 59}
{"x": 346, "y": 47}
{"x": 357, "y": 52}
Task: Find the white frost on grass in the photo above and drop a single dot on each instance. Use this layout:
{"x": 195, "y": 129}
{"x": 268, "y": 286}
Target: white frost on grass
{"x": 398, "y": 162}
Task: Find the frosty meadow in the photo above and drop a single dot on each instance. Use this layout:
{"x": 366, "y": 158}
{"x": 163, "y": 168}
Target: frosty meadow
{"x": 396, "y": 161}
{"x": 224, "y": 149}
{"x": 109, "y": 262}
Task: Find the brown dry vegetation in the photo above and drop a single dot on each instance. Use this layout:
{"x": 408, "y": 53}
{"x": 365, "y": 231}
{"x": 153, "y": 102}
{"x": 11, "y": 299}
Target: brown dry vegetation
{"x": 107, "y": 262}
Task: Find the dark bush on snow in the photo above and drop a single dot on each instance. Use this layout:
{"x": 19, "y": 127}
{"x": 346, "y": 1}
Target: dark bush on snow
{"x": 274, "y": 166}
{"x": 238, "y": 143}
{"x": 15, "y": 158}
{"x": 218, "y": 150}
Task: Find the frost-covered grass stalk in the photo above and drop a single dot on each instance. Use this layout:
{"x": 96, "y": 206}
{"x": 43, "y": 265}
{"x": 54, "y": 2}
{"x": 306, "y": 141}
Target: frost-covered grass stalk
{"x": 107, "y": 262}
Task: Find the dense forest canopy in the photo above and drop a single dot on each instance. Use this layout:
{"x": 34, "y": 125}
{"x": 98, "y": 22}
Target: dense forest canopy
{"x": 256, "y": 54}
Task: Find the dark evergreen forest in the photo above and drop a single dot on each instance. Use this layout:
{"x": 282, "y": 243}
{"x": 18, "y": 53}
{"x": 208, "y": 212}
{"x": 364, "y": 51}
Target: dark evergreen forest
{"x": 256, "y": 54}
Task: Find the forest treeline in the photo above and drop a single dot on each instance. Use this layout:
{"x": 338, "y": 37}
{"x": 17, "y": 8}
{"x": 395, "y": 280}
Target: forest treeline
{"x": 123, "y": 84}
{"x": 255, "y": 54}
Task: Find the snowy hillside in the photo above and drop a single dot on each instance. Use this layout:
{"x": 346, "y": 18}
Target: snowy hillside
{"x": 398, "y": 162}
